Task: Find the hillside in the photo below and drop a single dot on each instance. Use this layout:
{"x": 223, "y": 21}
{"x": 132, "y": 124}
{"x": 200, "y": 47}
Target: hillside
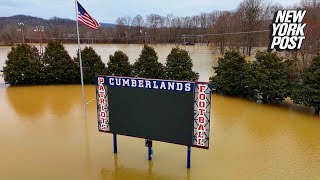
{"x": 55, "y": 28}
{"x": 34, "y": 21}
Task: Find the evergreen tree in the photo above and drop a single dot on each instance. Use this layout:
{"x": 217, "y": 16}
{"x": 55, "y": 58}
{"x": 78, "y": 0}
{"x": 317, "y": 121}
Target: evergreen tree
{"x": 119, "y": 65}
{"x": 91, "y": 65}
{"x": 230, "y": 74}
{"x": 249, "y": 76}
{"x": 59, "y": 67}
{"x": 307, "y": 92}
{"x": 269, "y": 78}
{"x": 179, "y": 66}
{"x": 147, "y": 65}
{"x": 23, "y": 66}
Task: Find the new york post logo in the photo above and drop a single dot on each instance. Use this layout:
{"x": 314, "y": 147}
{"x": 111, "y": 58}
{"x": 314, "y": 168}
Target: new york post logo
{"x": 286, "y": 31}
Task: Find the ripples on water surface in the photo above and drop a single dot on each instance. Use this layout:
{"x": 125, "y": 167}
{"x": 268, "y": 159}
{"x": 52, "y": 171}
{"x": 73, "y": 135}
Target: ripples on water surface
{"x": 43, "y": 135}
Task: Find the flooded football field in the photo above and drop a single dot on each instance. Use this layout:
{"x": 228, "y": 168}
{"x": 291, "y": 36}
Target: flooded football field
{"x": 44, "y": 135}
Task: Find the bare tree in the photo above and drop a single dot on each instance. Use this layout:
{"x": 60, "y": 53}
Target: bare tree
{"x": 155, "y": 22}
{"x": 124, "y": 27}
{"x": 121, "y": 26}
{"x": 253, "y": 13}
{"x": 311, "y": 45}
{"x": 138, "y": 21}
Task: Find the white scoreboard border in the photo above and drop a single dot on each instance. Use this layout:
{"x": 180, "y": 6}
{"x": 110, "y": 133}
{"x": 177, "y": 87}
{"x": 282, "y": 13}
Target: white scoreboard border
{"x": 103, "y": 105}
{"x": 202, "y": 108}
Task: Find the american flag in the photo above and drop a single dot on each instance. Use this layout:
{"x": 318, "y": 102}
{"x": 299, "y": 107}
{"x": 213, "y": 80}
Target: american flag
{"x": 85, "y": 18}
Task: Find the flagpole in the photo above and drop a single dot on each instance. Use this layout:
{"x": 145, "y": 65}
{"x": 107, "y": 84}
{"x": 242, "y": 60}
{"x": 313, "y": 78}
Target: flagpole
{"x": 80, "y": 60}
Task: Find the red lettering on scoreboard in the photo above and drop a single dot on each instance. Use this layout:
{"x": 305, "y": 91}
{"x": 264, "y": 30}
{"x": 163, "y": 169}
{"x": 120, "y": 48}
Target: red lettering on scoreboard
{"x": 201, "y": 111}
{"x": 102, "y": 103}
{"x": 202, "y": 97}
{"x": 103, "y": 120}
{"x": 200, "y": 127}
{"x": 101, "y": 100}
{"x": 103, "y": 127}
{"x": 199, "y": 142}
{"x": 101, "y": 88}
{"x": 200, "y": 135}
{"x": 101, "y": 80}
{"x": 202, "y": 104}
{"x": 201, "y": 120}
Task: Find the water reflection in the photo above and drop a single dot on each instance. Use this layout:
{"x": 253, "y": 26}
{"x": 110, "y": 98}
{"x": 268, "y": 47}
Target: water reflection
{"x": 27, "y": 102}
{"x": 61, "y": 99}
{"x": 122, "y": 172}
{"x": 32, "y": 102}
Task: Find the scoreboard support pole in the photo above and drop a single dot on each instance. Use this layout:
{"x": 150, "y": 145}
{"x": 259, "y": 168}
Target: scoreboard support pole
{"x": 115, "y": 148}
{"x": 149, "y": 145}
{"x": 149, "y": 153}
{"x": 189, "y": 157}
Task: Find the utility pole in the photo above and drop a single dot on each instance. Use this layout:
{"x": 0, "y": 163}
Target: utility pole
{"x": 40, "y": 29}
{"x": 141, "y": 36}
{"x": 21, "y": 29}
{"x": 145, "y": 37}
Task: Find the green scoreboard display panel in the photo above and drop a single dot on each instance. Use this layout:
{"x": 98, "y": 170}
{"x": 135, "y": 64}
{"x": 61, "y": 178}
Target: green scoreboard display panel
{"x": 162, "y": 110}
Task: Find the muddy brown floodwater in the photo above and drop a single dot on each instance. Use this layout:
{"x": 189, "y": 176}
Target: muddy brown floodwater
{"x": 44, "y": 135}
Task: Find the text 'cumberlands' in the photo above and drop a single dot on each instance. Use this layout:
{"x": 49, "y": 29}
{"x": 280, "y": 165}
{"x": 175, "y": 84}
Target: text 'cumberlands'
{"x": 182, "y": 86}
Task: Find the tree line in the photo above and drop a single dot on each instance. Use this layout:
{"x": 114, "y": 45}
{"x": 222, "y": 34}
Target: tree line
{"x": 270, "y": 79}
{"x": 212, "y": 28}
{"x": 222, "y": 30}
{"x": 243, "y": 29}
{"x": 25, "y": 66}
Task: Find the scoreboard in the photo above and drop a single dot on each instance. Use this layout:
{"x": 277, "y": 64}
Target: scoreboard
{"x": 162, "y": 110}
